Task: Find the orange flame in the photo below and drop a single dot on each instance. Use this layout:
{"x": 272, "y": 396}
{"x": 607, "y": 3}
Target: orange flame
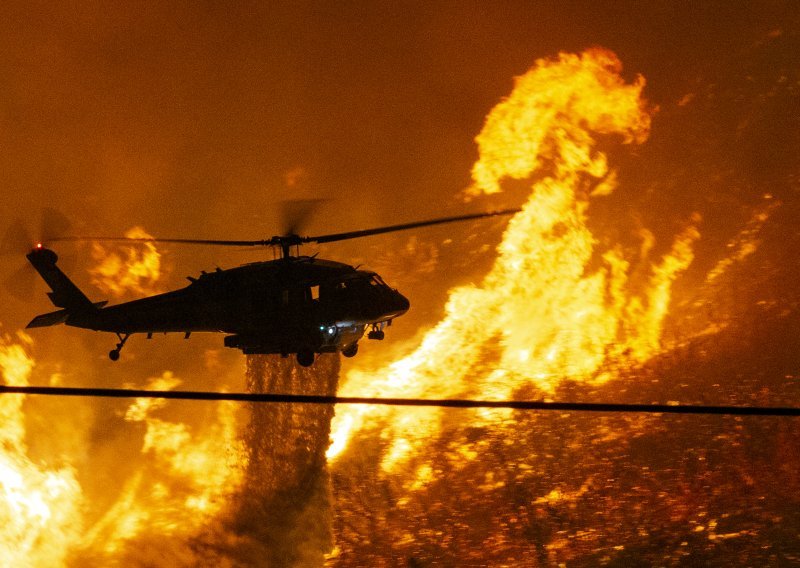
{"x": 180, "y": 489}
{"x": 543, "y": 313}
{"x": 39, "y": 505}
{"x": 132, "y": 268}
{"x": 176, "y": 491}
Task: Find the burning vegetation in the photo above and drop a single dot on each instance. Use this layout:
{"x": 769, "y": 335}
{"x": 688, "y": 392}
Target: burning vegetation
{"x": 565, "y": 312}
{"x": 564, "y": 315}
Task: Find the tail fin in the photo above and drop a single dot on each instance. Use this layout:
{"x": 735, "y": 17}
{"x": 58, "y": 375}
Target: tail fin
{"x": 59, "y": 316}
{"x": 46, "y": 320}
{"x": 64, "y": 293}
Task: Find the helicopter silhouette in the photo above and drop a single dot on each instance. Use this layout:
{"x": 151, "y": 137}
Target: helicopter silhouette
{"x": 301, "y": 305}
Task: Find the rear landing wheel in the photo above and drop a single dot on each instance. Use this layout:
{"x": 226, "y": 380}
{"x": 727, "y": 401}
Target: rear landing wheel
{"x": 114, "y": 353}
{"x": 350, "y": 350}
{"x": 305, "y": 358}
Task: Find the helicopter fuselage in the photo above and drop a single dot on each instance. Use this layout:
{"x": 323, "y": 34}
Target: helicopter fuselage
{"x": 290, "y": 305}
{"x": 296, "y": 304}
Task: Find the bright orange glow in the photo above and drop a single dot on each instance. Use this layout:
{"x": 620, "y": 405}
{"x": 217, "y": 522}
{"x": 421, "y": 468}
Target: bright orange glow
{"x": 543, "y": 313}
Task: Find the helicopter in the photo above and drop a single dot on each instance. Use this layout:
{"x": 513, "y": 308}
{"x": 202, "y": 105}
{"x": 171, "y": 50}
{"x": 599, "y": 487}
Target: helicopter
{"x": 293, "y": 304}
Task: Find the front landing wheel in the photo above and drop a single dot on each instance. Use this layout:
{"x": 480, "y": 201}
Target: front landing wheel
{"x": 350, "y": 350}
{"x": 305, "y": 358}
{"x": 114, "y": 354}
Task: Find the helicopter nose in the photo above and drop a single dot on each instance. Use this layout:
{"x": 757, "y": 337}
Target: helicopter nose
{"x": 402, "y": 303}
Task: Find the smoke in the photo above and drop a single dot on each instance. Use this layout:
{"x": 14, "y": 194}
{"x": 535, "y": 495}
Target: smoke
{"x": 211, "y": 491}
{"x": 175, "y": 488}
{"x": 263, "y": 488}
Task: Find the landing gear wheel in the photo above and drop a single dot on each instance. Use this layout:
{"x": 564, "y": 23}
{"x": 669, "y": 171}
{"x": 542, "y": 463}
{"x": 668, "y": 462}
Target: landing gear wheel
{"x": 350, "y": 350}
{"x": 305, "y": 358}
{"x": 114, "y": 353}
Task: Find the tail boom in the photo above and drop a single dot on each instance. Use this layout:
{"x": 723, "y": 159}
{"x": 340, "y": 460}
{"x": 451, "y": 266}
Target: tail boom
{"x": 76, "y": 307}
{"x": 64, "y": 293}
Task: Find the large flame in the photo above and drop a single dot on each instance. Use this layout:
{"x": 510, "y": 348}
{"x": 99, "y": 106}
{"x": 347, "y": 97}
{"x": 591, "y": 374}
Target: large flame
{"x": 131, "y": 268}
{"x": 39, "y": 504}
{"x": 182, "y": 486}
{"x": 554, "y": 305}
{"x": 173, "y": 496}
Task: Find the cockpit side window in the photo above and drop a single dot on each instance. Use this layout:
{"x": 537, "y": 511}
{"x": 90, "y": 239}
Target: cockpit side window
{"x": 351, "y": 284}
{"x": 295, "y": 297}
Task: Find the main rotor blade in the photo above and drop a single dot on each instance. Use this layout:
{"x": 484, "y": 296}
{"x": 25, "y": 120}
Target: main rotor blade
{"x": 404, "y": 226}
{"x": 296, "y": 212}
{"x": 292, "y": 239}
{"x": 174, "y": 241}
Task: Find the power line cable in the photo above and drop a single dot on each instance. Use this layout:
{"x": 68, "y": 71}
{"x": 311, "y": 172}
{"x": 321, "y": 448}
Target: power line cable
{"x": 443, "y": 403}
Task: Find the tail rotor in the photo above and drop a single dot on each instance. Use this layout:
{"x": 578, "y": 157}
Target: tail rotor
{"x": 18, "y": 241}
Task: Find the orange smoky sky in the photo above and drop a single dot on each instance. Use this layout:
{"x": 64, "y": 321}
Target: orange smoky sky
{"x": 197, "y": 120}
{"x": 186, "y": 119}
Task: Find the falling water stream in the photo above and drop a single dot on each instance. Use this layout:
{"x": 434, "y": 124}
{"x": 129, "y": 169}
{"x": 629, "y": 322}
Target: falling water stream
{"x": 285, "y": 511}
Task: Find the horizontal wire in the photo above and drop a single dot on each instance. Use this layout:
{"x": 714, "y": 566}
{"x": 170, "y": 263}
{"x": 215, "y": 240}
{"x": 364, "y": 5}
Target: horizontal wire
{"x": 444, "y": 403}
